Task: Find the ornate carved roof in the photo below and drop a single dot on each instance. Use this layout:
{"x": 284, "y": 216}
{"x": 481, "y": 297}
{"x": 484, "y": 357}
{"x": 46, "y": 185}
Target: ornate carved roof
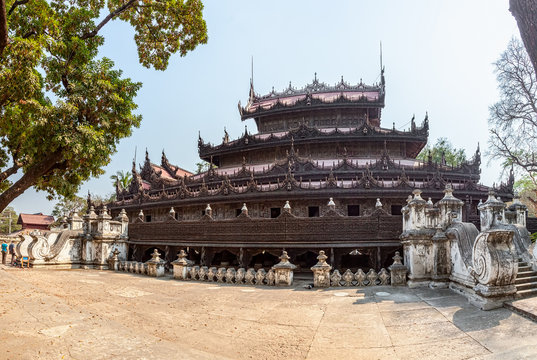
{"x": 314, "y": 94}
{"x": 299, "y": 174}
{"x": 305, "y": 133}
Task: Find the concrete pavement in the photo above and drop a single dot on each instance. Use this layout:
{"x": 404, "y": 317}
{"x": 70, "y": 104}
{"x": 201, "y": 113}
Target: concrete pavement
{"x": 90, "y": 314}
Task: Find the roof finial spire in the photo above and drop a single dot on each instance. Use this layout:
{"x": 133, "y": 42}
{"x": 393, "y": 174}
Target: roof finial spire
{"x": 315, "y": 77}
{"x": 252, "y": 93}
{"x": 382, "y": 81}
{"x": 381, "y": 68}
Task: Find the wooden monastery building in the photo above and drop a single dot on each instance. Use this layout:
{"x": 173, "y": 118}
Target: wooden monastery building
{"x": 320, "y": 173}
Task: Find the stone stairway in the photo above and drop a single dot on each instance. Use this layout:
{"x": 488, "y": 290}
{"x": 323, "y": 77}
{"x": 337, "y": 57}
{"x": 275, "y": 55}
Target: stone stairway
{"x": 526, "y": 280}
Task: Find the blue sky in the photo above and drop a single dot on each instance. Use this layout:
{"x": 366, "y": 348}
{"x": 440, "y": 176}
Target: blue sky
{"x": 438, "y": 57}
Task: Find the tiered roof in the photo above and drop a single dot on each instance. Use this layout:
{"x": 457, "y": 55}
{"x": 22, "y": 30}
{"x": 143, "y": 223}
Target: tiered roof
{"x": 316, "y": 94}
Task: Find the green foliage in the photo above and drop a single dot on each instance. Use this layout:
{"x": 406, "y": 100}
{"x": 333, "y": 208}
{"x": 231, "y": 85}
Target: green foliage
{"x": 443, "y": 149}
{"x": 527, "y": 190}
{"x": 123, "y": 178}
{"x": 5, "y": 216}
{"x": 69, "y": 206}
{"x": 62, "y": 109}
{"x": 204, "y": 166}
{"x": 533, "y": 237}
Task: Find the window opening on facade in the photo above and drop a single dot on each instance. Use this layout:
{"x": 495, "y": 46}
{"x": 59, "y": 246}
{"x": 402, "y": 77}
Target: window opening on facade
{"x": 353, "y": 210}
{"x": 313, "y": 211}
{"x": 275, "y": 212}
{"x": 396, "y": 209}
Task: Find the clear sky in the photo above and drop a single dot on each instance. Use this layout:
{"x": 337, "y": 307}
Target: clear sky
{"x": 438, "y": 57}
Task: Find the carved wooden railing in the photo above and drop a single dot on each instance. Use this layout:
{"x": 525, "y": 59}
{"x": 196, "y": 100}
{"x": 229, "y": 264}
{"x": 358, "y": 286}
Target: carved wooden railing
{"x": 379, "y": 229}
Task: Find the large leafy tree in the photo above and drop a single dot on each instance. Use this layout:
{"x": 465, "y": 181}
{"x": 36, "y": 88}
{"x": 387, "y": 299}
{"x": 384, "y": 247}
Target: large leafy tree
{"x": 513, "y": 119}
{"x": 63, "y": 109}
{"x": 443, "y": 152}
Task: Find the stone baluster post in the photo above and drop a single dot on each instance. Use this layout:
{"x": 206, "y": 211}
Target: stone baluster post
{"x": 321, "y": 271}
{"x": 398, "y": 271}
{"x": 180, "y": 266}
{"x": 113, "y": 262}
{"x": 155, "y": 266}
{"x": 284, "y": 271}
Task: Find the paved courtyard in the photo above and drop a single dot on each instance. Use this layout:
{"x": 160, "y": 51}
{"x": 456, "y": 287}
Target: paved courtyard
{"x": 90, "y": 314}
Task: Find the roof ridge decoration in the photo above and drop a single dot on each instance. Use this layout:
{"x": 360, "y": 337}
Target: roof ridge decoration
{"x": 317, "y": 86}
{"x": 310, "y": 95}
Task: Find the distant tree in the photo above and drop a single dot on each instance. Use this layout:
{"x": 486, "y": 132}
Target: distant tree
{"x": 69, "y": 206}
{"x": 513, "y": 119}
{"x": 5, "y": 217}
{"x": 204, "y": 166}
{"x": 63, "y": 110}
{"x": 525, "y": 188}
{"x": 98, "y": 200}
{"x": 441, "y": 151}
{"x": 525, "y": 13}
{"x": 124, "y": 179}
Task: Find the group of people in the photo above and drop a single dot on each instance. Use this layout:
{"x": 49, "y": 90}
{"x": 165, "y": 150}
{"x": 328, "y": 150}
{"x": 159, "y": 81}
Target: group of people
{"x": 8, "y": 249}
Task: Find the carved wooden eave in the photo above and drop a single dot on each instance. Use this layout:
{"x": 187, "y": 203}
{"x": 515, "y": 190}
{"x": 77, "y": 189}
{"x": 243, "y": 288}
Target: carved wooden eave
{"x": 304, "y": 134}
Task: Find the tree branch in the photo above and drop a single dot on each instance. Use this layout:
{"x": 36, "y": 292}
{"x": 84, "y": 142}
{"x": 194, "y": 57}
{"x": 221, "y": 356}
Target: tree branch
{"x": 15, "y": 4}
{"x": 29, "y": 178}
{"x": 8, "y": 172}
{"x": 109, "y": 17}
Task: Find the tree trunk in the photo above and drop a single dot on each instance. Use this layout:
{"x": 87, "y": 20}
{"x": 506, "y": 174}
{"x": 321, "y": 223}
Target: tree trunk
{"x": 525, "y": 13}
{"x": 3, "y": 26}
{"x": 29, "y": 179}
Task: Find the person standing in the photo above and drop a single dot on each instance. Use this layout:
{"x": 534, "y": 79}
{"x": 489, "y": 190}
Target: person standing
{"x": 12, "y": 252}
{"x": 4, "y": 252}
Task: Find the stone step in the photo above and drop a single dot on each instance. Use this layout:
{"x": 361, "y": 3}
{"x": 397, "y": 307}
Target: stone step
{"x": 523, "y": 280}
{"x": 526, "y": 293}
{"x": 524, "y": 268}
{"x": 526, "y": 286}
{"x": 523, "y": 274}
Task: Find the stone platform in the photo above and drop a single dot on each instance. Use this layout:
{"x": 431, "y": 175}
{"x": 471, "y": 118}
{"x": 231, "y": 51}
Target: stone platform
{"x": 525, "y": 307}
{"x": 92, "y": 314}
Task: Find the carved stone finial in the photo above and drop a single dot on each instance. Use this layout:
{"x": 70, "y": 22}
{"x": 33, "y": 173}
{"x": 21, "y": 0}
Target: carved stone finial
{"x": 155, "y": 256}
{"x": 172, "y": 212}
{"x": 141, "y": 214}
{"x": 208, "y": 210}
{"x": 378, "y": 204}
{"x": 287, "y": 206}
{"x": 181, "y": 258}
{"x": 417, "y": 194}
{"x": 331, "y": 204}
{"x": 397, "y": 259}
{"x": 244, "y": 209}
